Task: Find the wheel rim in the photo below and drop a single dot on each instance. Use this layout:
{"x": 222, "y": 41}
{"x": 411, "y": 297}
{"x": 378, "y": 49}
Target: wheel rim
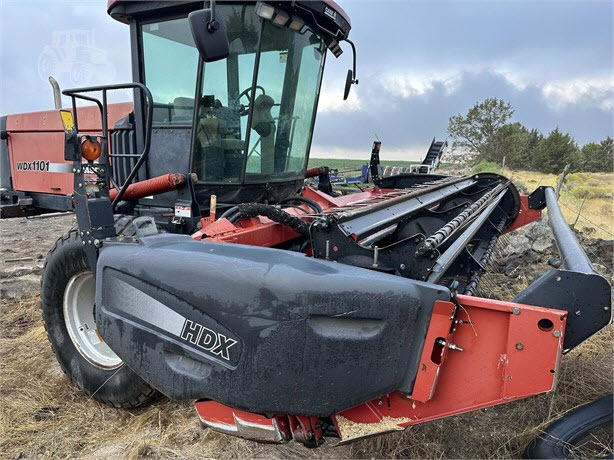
{"x": 79, "y": 299}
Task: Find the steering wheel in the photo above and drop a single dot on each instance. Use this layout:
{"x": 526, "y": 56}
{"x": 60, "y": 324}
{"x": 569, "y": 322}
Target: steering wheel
{"x": 244, "y": 110}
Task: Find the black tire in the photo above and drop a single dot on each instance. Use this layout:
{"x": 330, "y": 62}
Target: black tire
{"x": 117, "y": 387}
{"x": 562, "y": 436}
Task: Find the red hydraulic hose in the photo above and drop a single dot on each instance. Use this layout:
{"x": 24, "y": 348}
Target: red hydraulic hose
{"x": 153, "y": 186}
{"x": 315, "y": 172}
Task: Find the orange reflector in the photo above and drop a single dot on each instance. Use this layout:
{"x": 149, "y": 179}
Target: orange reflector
{"x": 90, "y": 149}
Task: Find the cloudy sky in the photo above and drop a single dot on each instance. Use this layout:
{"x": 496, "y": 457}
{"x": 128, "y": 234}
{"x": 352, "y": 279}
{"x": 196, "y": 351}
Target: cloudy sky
{"x": 418, "y": 63}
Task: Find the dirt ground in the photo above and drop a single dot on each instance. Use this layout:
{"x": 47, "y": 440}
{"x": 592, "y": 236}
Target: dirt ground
{"x": 43, "y": 415}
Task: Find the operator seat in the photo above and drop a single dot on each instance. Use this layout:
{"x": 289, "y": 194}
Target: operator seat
{"x": 183, "y": 108}
{"x": 264, "y": 124}
{"x": 218, "y": 155}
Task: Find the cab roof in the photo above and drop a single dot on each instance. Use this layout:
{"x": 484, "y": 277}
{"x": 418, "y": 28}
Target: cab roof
{"x": 112, "y": 4}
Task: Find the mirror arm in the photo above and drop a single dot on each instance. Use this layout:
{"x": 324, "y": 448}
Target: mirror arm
{"x": 355, "y": 80}
{"x": 212, "y": 25}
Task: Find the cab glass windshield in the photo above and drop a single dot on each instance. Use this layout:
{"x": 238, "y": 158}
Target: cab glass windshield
{"x": 262, "y": 96}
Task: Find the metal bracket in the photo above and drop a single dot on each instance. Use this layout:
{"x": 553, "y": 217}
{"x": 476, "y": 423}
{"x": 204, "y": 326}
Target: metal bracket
{"x": 374, "y": 162}
{"x": 187, "y": 210}
{"x": 537, "y": 199}
{"x": 586, "y": 296}
{"x": 145, "y": 226}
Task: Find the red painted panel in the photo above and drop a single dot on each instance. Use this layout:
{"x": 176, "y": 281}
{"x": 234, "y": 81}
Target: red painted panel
{"x": 214, "y": 412}
{"x": 35, "y": 147}
{"x": 526, "y": 214}
{"x": 39, "y": 137}
{"x": 433, "y": 354}
{"x": 505, "y": 356}
{"x": 49, "y": 120}
{"x": 327, "y": 201}
{"x": 258, "y": 231}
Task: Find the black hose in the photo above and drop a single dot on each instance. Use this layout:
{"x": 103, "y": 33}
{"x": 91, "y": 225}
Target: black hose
{"x": 233, "y": 219}
{"x": 308, "y": 201}
{"x": 248, "y": 210}
{"x": 228, "y": 212}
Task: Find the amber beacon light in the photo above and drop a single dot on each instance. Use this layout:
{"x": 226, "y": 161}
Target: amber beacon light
{"x": 90, "y": 149}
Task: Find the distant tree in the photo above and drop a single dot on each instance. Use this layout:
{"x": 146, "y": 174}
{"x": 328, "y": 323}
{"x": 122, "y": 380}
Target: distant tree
{"x": 472, "y": 132}
{"x": 511, "y": 142}
{"x": 598, "y": 157}
{"x": 554, "y": 152}
{"x": 607, "y": 153}
{"x": 535, "y": 137}
{"x": 589, "y": 157}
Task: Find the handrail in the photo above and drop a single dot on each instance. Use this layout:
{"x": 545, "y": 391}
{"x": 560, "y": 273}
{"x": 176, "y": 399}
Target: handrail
{"x": 75, "y": 93}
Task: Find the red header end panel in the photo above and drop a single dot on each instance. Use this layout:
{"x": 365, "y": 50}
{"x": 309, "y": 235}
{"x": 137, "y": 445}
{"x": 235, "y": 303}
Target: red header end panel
{"x": 36, "y": 147}
{"x": 494, "y": 353}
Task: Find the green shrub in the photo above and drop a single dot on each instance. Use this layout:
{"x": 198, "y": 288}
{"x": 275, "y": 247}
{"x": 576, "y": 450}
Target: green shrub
{"x": 576, "y": 178}
{"x": 486, "y": 166}
{"x": 588, "y": 192}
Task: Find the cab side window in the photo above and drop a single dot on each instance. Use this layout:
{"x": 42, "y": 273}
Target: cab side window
{"x": 170, "y": 67}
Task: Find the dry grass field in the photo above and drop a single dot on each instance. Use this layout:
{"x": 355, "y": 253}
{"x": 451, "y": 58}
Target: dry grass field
{"x": 587, "y": 199}
{"x": 43, "y": 416}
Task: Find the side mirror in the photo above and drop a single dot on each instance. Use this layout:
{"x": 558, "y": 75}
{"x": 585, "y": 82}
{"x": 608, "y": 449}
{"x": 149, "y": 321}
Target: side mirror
{"x": 349, "y": 80}
{"x": 209, "y": 35}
